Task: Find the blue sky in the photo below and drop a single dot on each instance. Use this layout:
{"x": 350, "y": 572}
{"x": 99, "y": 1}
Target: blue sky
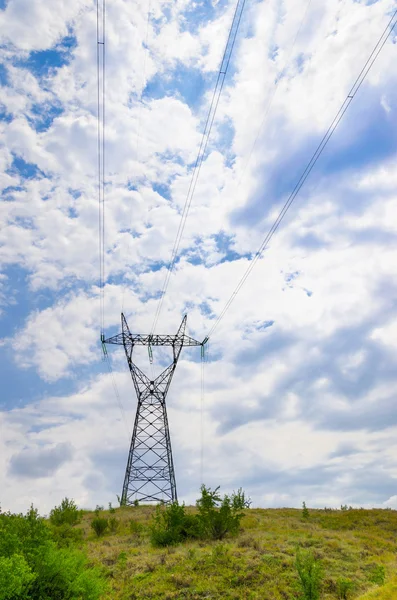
{"x": 301, "y": 373}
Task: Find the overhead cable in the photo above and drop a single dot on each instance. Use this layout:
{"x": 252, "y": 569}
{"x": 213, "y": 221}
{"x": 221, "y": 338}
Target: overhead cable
{"x": 202, "y": 396}
{"x": 272, "y": 96}
{"x": 145, "y": 46}
{"x": 100, "y": 38}
{"x": 202, "y": 149}
{"x": 117, "y": 393}
{"x": 327, "y": 136}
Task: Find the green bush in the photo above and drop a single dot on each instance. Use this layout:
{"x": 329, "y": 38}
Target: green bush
{"x": 168, "y": 526}
{"x": 65, "y": 514}
{"x": 122, "y": 560}
{"x": 15, "y": 577}
{"x": 310, "y": 575}
{"x": 135, "y": 527}
{"x": 216, "y": 518}
{"x": 23, "y": 534}
{"x": 220, "y": 516}
{"x": 66, "y": 535}
{"x": 63, "y": 573}
{"x": 98, "y": 509}
{"x": 113, "y": 524}
{"x": 305, "y": 512}
{"x": 99, "y": 525}
{"x": 343, "y": 588}
{"x": 32, "y": 567}
{"x": 377, "y": 575}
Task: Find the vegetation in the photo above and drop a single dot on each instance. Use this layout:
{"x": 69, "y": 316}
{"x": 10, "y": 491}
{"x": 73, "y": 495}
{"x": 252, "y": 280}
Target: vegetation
{"x": 66, "y": 513}
{"x": 310, "y": 575}
{"x": 305, "y": 512}
{"x": 99, "y": 525}
{"x": 216, "y": 517}
{"x": 274, "y": 554}
{"x": 33, "y": 566}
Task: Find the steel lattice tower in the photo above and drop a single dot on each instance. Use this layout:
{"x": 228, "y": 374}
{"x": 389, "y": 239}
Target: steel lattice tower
{"x": 150, "y": 474}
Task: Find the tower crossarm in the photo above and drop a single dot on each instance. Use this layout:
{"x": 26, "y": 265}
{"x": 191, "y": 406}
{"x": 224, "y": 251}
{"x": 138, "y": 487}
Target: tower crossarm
{"x": 137, "y": 339}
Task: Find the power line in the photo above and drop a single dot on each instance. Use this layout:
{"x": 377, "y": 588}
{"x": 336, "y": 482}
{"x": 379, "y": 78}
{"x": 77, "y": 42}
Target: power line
{"x": 202, "y": 149}
{"x": 101, "y": 72}
{"x": 272, "y": 96}
{"x": 327, "y": 136}
{"x": 117, "y": 393}
{"x": 139, "y": 121}
{"x": 100, "y": 38}
{"x": 202, "y": 395}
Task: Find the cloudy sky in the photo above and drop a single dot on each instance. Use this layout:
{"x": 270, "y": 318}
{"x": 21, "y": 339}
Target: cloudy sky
{"x": 301, "y": 378}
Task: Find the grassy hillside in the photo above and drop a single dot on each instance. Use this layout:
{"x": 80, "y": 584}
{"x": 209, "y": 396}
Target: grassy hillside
{"x": 357, "y": 546}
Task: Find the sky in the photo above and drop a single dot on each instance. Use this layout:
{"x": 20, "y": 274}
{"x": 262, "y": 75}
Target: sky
{"x": 301, "y": 374}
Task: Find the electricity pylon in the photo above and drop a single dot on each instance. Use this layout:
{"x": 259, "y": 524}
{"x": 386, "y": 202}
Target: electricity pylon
{"x": 150, "y": 474}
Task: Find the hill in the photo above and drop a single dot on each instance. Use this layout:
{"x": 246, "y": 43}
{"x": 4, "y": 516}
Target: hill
{"x": 355, "y": 548}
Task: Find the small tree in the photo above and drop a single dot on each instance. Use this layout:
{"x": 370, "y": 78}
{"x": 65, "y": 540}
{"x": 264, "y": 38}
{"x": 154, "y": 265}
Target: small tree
{"x": 66, "y": 513}
{"x": 305, "y": 512}
{"x": 310, "y": 575}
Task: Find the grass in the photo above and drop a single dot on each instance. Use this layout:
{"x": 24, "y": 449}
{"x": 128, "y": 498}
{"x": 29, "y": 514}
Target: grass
{"x": 354, "y": 545}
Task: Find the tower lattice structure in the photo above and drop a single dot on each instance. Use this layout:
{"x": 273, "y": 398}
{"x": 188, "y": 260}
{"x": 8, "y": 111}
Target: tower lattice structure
{"x": 150, "y": 474}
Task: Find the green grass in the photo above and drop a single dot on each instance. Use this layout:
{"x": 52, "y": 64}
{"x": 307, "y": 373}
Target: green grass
{"x": 257, "y": 564}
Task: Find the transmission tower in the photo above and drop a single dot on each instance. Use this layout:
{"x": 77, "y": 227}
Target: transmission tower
{"x": 150, "y": 475}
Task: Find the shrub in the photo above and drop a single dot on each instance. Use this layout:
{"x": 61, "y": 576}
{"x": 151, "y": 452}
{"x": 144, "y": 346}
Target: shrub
{"x": 310, "y": 575}
{"x": 343, "y": 588}
{"x": 135, "y": 527}
{"x": 66, "y": 513}
{"x": 98, "y": 509}
{"x": 377, "y": 575}
{"x": 99, "y": 525}
{"x": 220, "y": 553}
{"x": 216, "y": 518}
{"x": 23, "y": 534}
{"x": 113, "y": 524}
{"x": 15, "y": 577}
{"x": 122, "y": 560}
{"x": 32, "y": 567}
{"x": 168, "y": 526}
{"x": 66, "y": 535}
{"x": 65, "y": 574}
{"x": 305, "y": 511}
{"x": 220, "y": 516}
{"x": 111, "y": 509}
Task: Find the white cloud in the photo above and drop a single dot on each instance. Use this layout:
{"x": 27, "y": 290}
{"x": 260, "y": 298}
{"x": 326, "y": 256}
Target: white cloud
{"x": 50, "y": 22}
{"x": 280, "y": 399}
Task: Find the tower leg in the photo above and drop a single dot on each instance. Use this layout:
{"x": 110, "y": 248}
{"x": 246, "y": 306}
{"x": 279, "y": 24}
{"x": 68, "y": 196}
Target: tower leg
{"x": 150, "y": 472}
